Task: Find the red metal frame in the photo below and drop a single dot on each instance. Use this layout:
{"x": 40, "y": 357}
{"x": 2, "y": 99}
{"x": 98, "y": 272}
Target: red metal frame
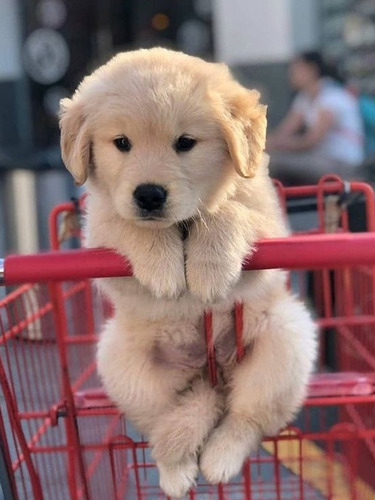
{"x": 63, "y": 437}
{"x": 302, "y": 251}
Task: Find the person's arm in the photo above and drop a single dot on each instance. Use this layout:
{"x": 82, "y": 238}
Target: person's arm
{"x": 291, "y": 124}
{"x": 315, "y": 134}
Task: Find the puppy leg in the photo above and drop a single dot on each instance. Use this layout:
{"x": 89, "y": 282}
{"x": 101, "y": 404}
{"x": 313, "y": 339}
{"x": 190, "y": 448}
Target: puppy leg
{"x": 156, "y": 255}
{"x": 267, "y": 388}
{"x": 180, "y": 434}
{"x": 135, "y": 384}
{"x": 216, "y": 248}
{"x": 174, "y": 414}
{"x": 157, "y": 258}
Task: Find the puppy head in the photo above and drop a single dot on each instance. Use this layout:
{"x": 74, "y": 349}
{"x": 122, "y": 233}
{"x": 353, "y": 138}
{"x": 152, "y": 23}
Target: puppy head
{"x": 162, "y": 135}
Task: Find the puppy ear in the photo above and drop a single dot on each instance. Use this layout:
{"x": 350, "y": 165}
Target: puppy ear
{"x": 244, "y": 123}
{"x": 75, "y": 140}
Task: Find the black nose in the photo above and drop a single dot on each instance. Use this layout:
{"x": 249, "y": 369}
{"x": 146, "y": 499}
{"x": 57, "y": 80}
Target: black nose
{"x": 150, "y": 197}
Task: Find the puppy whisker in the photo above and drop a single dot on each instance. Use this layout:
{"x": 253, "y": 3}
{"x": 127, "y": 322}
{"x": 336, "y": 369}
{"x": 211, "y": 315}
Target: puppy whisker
{"x": 195, "y": 220}
{"x": 202, "y": 219}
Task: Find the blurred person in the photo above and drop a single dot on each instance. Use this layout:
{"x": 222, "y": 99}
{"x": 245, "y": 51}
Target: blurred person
{"x": 322, "y": 132}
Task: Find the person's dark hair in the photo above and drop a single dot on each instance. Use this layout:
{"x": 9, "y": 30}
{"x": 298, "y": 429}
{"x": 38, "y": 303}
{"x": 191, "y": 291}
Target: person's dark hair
{"x": 324, "y": 68}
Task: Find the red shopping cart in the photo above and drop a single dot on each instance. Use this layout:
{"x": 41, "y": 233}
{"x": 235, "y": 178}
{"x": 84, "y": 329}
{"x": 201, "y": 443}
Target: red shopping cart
{"x": 61, "y": 438}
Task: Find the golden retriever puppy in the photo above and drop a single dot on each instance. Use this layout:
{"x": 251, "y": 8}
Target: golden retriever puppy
{"x": 171, "y": 148}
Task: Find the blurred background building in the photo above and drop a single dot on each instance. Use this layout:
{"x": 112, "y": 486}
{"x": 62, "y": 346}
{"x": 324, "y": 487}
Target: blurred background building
{"x": 47, "y": 46}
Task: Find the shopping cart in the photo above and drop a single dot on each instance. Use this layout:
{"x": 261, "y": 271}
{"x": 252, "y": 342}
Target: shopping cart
{"x": 61, "y": 438}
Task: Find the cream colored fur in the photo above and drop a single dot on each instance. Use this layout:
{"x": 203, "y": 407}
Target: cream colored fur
{"x": 151, "y": 354}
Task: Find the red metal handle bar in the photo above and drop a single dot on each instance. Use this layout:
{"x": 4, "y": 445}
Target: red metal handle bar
{"x": 296, "y": 252}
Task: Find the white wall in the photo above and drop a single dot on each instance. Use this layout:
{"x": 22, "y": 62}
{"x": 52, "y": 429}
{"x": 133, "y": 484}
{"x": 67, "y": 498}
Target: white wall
{"x": 263, "y": 31}
{"x": 305, "y": 24}
{"x": 251, "y": 31}
{"x": 10, "y": 66}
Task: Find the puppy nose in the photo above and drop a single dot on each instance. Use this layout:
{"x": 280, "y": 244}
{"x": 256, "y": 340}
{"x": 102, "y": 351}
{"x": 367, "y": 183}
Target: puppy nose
{"x": 150, "y": 196}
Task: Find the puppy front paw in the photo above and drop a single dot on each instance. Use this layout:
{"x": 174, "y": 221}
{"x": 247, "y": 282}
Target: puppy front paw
{"x": 176, "y": 479}
{"x": 211, "y": 282}
{"x": 165, "y": 278}
{"x": 224, "y": 454}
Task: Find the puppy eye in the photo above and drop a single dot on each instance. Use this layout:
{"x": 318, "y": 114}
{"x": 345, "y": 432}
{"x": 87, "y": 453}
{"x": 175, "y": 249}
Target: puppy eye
{"x": 122, "y": 144}
{"x": 184, "y": 143}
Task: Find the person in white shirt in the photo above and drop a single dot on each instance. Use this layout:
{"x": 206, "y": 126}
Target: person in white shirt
{"x": 322, "y": 133}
